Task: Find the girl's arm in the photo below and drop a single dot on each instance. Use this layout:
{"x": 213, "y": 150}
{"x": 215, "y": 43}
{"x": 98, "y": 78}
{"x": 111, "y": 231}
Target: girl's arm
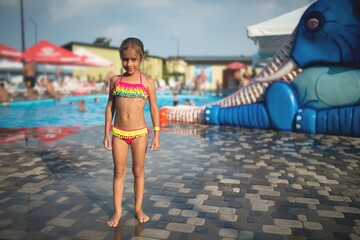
{"x": 154, "y": 112}
{"x": 109, "y": 114}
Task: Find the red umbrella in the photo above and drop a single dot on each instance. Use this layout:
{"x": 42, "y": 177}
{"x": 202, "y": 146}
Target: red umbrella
{"x": 9, "y": 53}
{"x": 49, "y": 53}
{"x": 235, "y": 65}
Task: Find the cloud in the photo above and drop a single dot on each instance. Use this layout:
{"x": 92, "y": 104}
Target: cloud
{"x": 78, "y": 8}
{"x": 152, "y": 3}
{"x": 69, "y": 9}
{"x": 9, "y": 3}
{"x": 184, "y": 15}
{"x": 117, "y": 33}
{"x": 276, "y": 7}
{"x": 202, "y": 26}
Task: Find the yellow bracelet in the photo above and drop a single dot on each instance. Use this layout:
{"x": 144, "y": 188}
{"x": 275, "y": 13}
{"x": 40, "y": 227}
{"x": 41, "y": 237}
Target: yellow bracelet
{"x": 156, "y": 128}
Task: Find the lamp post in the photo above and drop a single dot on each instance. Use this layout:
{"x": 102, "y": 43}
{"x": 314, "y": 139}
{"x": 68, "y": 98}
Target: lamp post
{"x": 35, "y": 26}
{"x": 22, "y": 26}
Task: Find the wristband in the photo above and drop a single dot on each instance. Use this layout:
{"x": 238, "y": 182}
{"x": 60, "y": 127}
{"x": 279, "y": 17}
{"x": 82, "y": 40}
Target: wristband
{"x": 156, "y": 128}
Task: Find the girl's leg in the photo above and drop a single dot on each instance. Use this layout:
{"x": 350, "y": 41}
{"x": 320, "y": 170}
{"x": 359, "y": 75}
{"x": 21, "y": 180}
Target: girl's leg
{"x": 120, "y": 152}
{"x": 138, "y": 151}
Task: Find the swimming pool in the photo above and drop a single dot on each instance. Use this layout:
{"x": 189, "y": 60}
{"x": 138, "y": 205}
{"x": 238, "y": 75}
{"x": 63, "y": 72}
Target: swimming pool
{"x": 49, "y": 112}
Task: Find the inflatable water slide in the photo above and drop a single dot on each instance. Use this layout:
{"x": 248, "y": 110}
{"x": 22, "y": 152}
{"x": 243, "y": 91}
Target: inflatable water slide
{"x": 312, "y": 84}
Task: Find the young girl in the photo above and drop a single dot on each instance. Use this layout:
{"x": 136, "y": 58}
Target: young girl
{"x": 128, "y": 94}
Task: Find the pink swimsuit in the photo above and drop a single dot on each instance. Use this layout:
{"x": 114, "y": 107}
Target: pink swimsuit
{"x": 130, "y": 90}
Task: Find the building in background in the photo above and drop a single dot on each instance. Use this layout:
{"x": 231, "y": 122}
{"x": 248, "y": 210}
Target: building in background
{"x": 152, "y": 65}
{"x": 209, "y": 71}
{"x": 184, "y": 72}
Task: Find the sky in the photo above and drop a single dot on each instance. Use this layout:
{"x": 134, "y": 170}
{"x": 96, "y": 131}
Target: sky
{"x": 166, "y": 27}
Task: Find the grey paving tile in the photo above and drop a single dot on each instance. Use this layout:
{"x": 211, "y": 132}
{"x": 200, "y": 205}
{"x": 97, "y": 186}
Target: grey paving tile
{"x": 207, "y": 182}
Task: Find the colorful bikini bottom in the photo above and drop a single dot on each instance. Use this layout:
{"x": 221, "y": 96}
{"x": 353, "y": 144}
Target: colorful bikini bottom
{"x": 129, "y": 135}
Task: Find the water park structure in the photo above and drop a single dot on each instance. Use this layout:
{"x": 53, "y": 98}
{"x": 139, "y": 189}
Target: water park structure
{"x": 312, "y": 84}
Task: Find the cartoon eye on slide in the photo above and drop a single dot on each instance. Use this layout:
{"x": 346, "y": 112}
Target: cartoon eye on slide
{"x": 314, "y": 22}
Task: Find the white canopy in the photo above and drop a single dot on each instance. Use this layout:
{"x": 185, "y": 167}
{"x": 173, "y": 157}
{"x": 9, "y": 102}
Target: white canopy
{"x": 6, "y": 65}
{"x": 92, "y": 59}
{"x": 271, "y": 34}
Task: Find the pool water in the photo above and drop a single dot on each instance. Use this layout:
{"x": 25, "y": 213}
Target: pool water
{"x": 49, "y": 112}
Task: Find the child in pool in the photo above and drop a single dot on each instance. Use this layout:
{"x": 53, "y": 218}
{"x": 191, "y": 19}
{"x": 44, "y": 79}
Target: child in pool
{"x": 128, "y": 94}
{"x": 81, "y": 104}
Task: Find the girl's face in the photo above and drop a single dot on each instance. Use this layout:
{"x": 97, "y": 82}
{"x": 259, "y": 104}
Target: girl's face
{"x": 131, "y": 60}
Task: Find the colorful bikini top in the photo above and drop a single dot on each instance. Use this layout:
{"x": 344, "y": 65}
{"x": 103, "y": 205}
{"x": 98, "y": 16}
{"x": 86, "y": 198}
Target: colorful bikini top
{"x": 130, "y": 90}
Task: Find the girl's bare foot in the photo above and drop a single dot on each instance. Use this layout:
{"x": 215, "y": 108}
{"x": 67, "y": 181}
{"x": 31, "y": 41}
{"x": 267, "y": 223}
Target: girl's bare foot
{"x": 113, "y": 222}
{"x": 141, "y": 216}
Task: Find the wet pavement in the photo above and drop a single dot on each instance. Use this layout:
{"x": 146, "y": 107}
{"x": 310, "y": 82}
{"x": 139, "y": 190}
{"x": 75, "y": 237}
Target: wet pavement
{"x": 206, "y": 182}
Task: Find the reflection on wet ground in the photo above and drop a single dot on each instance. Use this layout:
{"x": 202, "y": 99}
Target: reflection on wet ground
{"x": 206, "y": 182}
{"x": 43, "y": 134}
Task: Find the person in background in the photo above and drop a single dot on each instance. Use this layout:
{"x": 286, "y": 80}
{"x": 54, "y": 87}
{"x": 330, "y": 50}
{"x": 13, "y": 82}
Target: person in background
{"x": 105, "y": 88}
{"x": 29, "y": 72}
{"x": 58, "y": 74}
{"x": 189, "y": 102}
{"x": 92, "y": 85}
{"x": 63, "y": 87}
{"x": 50, "y": 91}
{"x": 81, "y": 104}
{"x": 128, "y": 94}
{"x": 176, "y": 100}
{"x": 218, "y": 88}
{"x": 4, "y": 94}
{"x": 243, "y": 78}
{"x": 246, "y": 77}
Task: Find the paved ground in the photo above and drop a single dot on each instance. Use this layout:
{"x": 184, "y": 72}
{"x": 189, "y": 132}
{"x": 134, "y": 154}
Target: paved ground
{"x": 206, "y": 182}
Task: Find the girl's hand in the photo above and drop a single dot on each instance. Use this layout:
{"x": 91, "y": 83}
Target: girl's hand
{"x": 155, "y": 144}
{"x": 107, "y": 142}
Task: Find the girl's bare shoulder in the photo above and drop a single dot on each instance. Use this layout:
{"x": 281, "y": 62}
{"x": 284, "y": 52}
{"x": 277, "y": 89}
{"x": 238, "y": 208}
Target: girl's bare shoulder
{"x": 114, "y": 79}
{"x": 148, "y": 81}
